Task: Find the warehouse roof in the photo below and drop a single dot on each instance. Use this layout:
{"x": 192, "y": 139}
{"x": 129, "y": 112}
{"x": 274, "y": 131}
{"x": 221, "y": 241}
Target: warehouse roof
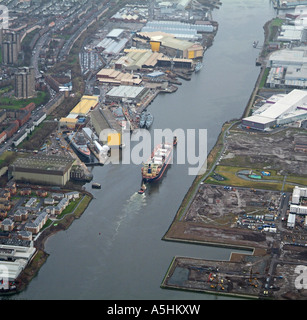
{"x": 115, "y": 33}
{"x": 291, "y": 33}
{"x": 126, "y": 91}
{"x": 43, "y": 164}
{"x": 286, "y": 104}
{"x": 136, "y": 58}
{"x": 259, "y": 119}
{"x": 169, "y": 40}
{"x": 117, "y": 77}
{"x": 297, "y": 56}
{"x": 115, "y": 47}
{"x": 68, "y": 120}
{"x": 85, "y": 105}
{"x": 178, "y": 29}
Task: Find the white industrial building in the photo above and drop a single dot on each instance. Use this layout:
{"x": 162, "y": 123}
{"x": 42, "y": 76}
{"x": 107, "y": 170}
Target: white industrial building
{"x": 291, "y": 33}
{"x": 296, "y": 77}
{"x": 291, "y": 220}
{"x": 14, "y": 259}
{"x": 115, "y": 33}
{"x": 289, "y": 108}
{"x": 179, "y": 30}
{"x": 288, "y": 68}
{"x": 297, "y": 194}
{"x": 286, "y": 57}
{"x": 290, "y": 76}
{"x": 296, "y": 207}
{"x": 134, "y": 93}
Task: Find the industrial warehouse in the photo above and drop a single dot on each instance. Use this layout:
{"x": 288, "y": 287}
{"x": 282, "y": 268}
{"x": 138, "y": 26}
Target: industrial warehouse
{"x": 86, "y": 104}
{"x": 170, "y": 45}
{"x": 46, "y": 170}
{"x": 287, "y": 68}
{"x": 283, "y": 110}
{"x": 114, "y": 77}
{"x": 179, "y": 30}
{"x": 134, "y": 94}
{"x": 298, "y": 207}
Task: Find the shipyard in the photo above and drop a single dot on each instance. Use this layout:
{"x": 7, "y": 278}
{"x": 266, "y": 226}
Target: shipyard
{"x": 131, "y": 58}
{"x": 252, "y": 197}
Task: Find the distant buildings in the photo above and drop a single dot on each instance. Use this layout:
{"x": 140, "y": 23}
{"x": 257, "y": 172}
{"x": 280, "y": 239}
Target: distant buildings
{"x": 25, "y": 83}
{"x": 115, "y": 77}
{"x": 131, "y": 93}
{"x": 137, "y": 59}
{"x": 10, "y": 47}
{"x": 169, "y": 44}
{"x": 180, "y": 30}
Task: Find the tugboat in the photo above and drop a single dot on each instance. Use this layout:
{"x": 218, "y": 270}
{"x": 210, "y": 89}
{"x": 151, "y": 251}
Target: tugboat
{"x": 198, "y": 66}
{"x": 143, "y": 189}
{"x": 96, "y": 185}
{"x": 149, "y": 120}
{"x": 175, "y": 140}
{"x": 155, "y": 167}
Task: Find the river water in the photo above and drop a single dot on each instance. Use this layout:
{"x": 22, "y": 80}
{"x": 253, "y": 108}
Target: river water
{"x": 114, "y": 251}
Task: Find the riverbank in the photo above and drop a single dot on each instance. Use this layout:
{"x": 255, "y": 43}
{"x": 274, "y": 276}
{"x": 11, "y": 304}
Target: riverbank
{"x": 223, "y": 211}
{"x": 216, "y": 151}
{"x": 41, "y": 256}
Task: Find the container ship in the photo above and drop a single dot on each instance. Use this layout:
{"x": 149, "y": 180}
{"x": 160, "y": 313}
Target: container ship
{"x": 79, "y": 143}
{"x": 155, "y": 167}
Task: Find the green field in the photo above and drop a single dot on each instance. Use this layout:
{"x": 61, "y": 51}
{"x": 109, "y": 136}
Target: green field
{"x": 13, "y": 103}
{"x": 273, "y": 182}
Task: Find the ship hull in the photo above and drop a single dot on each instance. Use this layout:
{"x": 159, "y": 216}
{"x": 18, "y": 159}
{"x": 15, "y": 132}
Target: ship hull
{"x": 158, "y": 177}
{"x": 85, "y": 154}
{"x": 198, "y": 67}
{"x": 149, "y": 121}
{"x": 163, "y": 168}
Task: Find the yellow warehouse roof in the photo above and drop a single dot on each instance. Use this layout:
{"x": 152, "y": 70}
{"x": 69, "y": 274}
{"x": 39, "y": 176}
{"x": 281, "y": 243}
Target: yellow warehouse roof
{"x": 68, "y": 120}
{"x": 85, "y": 105}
